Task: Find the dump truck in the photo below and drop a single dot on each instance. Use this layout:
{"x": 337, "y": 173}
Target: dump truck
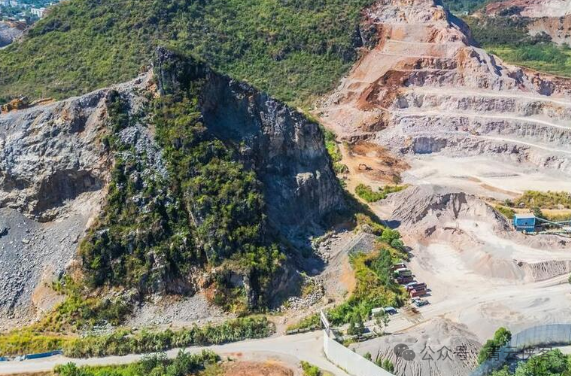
{"x": 398, "y": 266}
{"x": 415, "y": 286}
{"x": 403, "y": 272}
{"x": 404, "y": 280}
{"x": 416, "y": 293}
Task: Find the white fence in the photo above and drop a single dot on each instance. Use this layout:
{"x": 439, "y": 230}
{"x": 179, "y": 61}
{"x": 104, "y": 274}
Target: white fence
{"x": 353, "y": 363}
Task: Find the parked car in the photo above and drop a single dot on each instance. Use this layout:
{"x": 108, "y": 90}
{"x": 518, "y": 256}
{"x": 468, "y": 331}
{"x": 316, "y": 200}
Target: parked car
{"x": 390, "y": 310}
{"x": 419, "y": 302}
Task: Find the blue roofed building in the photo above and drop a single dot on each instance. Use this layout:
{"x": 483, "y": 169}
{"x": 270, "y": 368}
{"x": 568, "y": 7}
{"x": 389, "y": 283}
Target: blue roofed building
{"x": 524, "y": 222}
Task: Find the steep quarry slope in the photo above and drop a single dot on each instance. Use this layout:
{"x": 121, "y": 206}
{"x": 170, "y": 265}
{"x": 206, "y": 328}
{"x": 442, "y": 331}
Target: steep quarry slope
{"x": 425, "y": 89}
{"x": 552, "y": 17}
{"x": 55, "y": 169}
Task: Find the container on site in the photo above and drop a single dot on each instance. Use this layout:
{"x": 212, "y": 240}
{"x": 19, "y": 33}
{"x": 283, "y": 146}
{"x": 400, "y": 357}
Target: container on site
{"x": 524, "y": 222}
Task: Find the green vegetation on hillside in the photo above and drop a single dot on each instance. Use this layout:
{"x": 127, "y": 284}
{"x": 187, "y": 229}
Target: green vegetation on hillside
{"x": 544, "y": 200}
{"x": 183, "y": 365}
{"x": 368, "y": 194}
{"x": 122, "y": 342}
{"x": 554, "y": 206}
{"x": 209, "y": 211}
{"x": 507, "y": 212}
{"x": 311, "y": 322}
{"x": 375, "y": 286}
{"x": 464, "y": 6}
{"x": 508, "y": 38}
{"x": 291, "y": 49}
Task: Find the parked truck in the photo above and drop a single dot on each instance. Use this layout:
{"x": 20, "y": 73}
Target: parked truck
{"x": 416, "y": 286}
{"x": 400, "y": 265}
{"x": 403, "y": 272}
{"x": 404, "y": 280}
{"x": 416, "y": 293}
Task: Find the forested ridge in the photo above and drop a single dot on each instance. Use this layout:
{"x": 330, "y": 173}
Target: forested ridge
{"x": 293, "y": 49}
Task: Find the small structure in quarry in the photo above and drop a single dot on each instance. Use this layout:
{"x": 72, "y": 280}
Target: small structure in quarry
{"x": 524, "y": 222}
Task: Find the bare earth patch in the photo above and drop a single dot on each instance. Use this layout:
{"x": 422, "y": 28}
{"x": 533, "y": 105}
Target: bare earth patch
{"x": 269, "y": 368}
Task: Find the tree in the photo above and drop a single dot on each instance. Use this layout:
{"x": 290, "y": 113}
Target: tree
{"x": 501, "y": 338}
{"x": 356, "y": 326}
{"x": 553, "y": 363}
{"x": 382, "y": 320}
{"x": 389, "y": 235}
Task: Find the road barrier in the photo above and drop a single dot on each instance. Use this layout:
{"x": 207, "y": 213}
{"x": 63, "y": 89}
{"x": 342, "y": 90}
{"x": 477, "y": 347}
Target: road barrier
{"x": 353, "y": 363}
{"x": 43, "y": 355}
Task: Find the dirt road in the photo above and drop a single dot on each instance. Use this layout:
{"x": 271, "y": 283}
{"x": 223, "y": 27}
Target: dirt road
{"x": 287, "y": 349}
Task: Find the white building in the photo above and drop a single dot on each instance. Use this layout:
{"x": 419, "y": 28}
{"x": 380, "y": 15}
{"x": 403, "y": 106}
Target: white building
{"x": 38, "y": 12}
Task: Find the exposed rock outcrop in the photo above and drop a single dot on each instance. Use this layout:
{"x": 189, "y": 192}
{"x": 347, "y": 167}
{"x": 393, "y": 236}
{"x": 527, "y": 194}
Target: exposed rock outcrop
{"x": 10, "y": 31}
{"x": 53, "y": 173}
{"x": 55, "y": 167}
{"x": 434, "y": 92}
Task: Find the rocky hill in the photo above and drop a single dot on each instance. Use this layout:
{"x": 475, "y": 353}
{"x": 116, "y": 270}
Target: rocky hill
{"x": 78, "y": 173}
{"x": 425, "y": 88}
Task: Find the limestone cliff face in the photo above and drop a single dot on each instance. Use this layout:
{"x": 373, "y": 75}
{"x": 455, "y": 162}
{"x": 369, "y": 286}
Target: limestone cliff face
{"x": 284, "y": 148}
{"x": 55, "y": 167}
{"x": 51, "y": 154}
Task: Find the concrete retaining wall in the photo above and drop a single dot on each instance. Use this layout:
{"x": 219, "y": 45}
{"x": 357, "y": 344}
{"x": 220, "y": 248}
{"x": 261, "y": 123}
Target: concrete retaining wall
{"x": 353, "y": 363}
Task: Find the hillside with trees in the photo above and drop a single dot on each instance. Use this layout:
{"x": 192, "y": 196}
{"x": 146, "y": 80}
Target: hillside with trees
{"x": 293, "y": 50}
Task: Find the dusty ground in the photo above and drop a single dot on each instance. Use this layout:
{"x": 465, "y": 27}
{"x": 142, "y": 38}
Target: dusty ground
{"x": 483, "y": 176}
{"x": 269, "y": 368}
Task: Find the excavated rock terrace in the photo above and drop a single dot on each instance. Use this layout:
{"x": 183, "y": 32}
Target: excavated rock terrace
{"x": 470, "y": 127}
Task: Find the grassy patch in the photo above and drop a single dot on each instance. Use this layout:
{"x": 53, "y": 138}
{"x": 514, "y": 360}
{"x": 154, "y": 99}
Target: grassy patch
{"x": 506, "y": 211}
{"x": 123, "y": 342}
{"x": 375, "y": 285}
{"x": 368, "y": 194}
{"x": 311, "y": 370}
{"x": 332, "y": 146}
{"x": 311, "y": 322}
{"x": 183, "y": 365}
{"x": 544, "y": 200}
